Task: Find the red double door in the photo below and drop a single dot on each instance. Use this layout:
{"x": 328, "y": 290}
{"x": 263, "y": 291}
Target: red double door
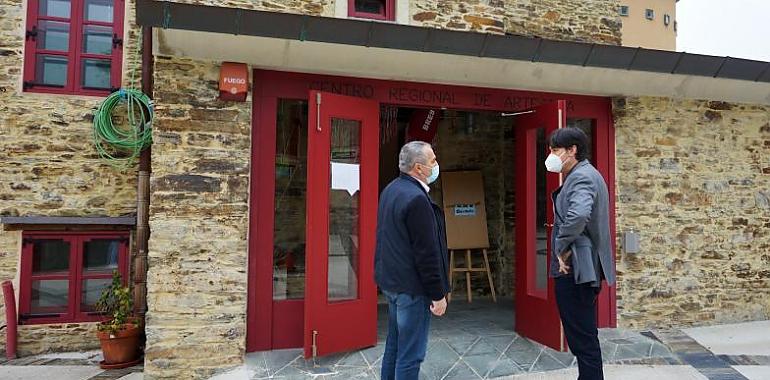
{"x": 537, "y": 317}
{"x": 342, "y": 191}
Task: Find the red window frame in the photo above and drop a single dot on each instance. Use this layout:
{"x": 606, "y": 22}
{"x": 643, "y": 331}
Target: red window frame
{"x": 74, "y": 275}
{"x": 74, "y": 55}
{"x": 388, "y": 15}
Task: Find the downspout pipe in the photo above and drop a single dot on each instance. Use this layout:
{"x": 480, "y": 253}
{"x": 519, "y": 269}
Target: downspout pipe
{"x": 143, "y": 189}
{"x": 11, "y": 320}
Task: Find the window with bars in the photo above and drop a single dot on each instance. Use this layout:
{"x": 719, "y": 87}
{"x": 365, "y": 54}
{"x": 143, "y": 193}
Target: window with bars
{"x": 73, "y": 46}
{"x": 649, "y": 14}
{"x": 372, "y": 9}
{"x": 63, "y": 275}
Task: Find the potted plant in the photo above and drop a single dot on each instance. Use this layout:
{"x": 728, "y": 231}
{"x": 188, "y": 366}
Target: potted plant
{"x": 119, "y": 334}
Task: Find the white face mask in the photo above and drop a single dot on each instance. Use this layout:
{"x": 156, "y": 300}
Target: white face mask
{"x": 553, "y": 163}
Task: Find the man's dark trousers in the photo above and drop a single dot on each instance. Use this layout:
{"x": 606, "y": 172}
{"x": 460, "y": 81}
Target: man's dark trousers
{"x": 407, "y": 342}
{"x": 577, "y": 308}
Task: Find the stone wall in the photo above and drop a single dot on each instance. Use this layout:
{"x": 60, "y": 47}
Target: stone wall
{"x": 487, "y": 16}
{"x": 196, "y": 322}
{"x": 66, "y": 337}
{"x": 693, "y": 178}
{"x": 307, "y": 7}
{"x": 48, "y": 165}
{"x": 571, "y": 20}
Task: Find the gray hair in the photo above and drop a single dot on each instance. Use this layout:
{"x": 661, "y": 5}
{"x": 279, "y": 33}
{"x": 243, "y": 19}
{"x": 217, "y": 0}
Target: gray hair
{"x": 411, "y": 153}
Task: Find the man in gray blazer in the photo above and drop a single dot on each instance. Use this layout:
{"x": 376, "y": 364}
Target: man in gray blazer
{"x": 581, "y": 244}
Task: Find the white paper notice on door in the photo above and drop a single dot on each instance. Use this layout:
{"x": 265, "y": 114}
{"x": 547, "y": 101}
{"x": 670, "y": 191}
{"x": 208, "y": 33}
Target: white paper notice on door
{"x": 345, "y": 177}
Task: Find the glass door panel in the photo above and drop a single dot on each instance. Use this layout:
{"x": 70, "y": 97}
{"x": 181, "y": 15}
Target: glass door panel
{"x": 290, "y": 200}
{"x": 345, "y": 183}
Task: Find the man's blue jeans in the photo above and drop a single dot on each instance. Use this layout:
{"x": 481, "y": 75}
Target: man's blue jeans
{"x": 408, "y": 324}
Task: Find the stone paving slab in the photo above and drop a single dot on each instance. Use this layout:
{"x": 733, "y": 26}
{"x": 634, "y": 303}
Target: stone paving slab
{"x": 87, "y": 360}
{"x": 690, "y": 352}
{"x": 58, "y": 372}
{"x": 630, "y": 372}
{"x": 240, "y": 373}
{"x": 114, "y": 374}
{"x": 749, "y": 338}
{"x": 747, "y": 359}
{"x": 133, "y": 376}
{"x": 754, "y": 372}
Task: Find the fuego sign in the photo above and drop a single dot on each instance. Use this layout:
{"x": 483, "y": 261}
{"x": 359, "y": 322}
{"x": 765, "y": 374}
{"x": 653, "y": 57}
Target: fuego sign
{"x": 233, "y": 81}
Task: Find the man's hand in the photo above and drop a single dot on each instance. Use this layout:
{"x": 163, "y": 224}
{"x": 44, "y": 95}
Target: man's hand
{"x": 563, "y": 267}
{"x": 438, "y": 308}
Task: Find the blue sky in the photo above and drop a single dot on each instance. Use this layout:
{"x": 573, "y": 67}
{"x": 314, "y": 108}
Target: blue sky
{"x": 735, "y": 28}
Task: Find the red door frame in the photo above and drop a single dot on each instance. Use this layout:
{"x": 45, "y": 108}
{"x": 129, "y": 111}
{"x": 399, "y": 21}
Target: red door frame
{"x": 269, "y": 86}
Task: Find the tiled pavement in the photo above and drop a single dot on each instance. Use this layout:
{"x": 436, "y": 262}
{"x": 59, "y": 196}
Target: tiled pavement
{"x": 712, "y": 366}
{"x": 473, "y": 341}
{"x": 91, "y": 358}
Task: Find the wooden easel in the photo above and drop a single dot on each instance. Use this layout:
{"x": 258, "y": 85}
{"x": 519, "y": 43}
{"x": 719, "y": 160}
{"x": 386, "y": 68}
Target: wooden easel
{"x": 468, "y": 269}
{"x": 466, "y": 224}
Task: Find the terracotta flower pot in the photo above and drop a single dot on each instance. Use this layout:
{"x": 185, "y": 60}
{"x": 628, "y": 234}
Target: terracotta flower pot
{"x": 122, "y": 347}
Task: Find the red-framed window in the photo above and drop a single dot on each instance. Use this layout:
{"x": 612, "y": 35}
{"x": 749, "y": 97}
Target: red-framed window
{"x": 372, "y": 9}
{"x": 73, "y": 46}
{"x": 63, "y": 274}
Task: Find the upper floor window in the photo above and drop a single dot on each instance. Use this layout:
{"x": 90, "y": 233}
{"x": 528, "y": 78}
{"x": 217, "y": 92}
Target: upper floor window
{"x": 73, "y": 46}
{"x": 649, "y": 14}
{"x": 372, "y": 9}
{"x": 666, "y": 20}
{"x": 63, "y": 274}
{"x": 624, "y": 10}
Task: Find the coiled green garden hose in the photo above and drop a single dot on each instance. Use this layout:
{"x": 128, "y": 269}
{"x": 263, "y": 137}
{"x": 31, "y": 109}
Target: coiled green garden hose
{"x": 122, "y": 145}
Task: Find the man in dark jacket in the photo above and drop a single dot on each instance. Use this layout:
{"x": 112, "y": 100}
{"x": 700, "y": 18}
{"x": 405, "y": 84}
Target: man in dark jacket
{"x": 411, "y": 260}
{"x": 581, "y": 244}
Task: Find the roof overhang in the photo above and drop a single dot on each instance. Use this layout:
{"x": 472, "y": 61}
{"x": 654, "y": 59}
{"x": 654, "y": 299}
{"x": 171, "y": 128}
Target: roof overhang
{"x": 380, "y": 50}
{"x": 10, "y": 223}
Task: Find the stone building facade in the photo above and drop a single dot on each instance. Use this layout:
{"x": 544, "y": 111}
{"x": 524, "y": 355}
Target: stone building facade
{"x": 49, "y": 166}
{"x": 691, "y": 177}
{"x": 199, "y": 216}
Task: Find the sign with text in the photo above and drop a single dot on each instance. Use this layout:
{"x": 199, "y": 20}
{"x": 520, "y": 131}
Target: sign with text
{"x": 233, "y": 81}
{"x": 423, "y": 125}
{"x": 465, "y": 210}
{"x": 435, "y": 96}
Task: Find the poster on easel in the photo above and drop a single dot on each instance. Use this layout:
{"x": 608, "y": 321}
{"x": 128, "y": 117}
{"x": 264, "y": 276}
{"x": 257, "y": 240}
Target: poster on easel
{"x": 465, "y": 210}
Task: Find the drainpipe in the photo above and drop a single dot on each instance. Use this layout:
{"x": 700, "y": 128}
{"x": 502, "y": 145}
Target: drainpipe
{"x": 143, "y": 190}
{"x": 10, "y": 320}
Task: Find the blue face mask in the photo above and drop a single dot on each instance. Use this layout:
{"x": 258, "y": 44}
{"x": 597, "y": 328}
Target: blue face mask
{"x": 433, "y": 174}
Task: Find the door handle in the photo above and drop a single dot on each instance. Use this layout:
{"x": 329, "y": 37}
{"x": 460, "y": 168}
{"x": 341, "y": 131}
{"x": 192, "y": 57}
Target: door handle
{"x": 318, "y": 111}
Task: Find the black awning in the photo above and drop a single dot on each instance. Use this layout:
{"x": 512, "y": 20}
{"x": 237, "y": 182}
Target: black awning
{"x": 170, "y": 15}
{"x": 69, "y": 220}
